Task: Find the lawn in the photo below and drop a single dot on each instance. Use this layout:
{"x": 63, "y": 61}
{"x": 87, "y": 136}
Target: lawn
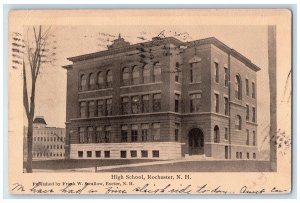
{"x": 82, "y": 163}
{"x": 201, "y": 166}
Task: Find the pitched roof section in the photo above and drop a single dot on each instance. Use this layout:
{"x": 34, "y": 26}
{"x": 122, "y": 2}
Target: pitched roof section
{"x": 168, "y": 40}
{"x": 40, "y": 120}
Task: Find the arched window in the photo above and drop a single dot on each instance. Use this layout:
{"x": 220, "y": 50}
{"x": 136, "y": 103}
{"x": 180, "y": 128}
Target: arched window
{"x": 135, "y": 75}
{"x": 125, "y": 76}
{"x": 238, "y": 87}
{"x": 109, "y": 78}
{"x": 216, "y": 134}
{"x": 100, "y": 79}
{"x": 146, "y": 74}
{"x": 238, "y": 122}
{"x": 157, "y": 72}
{"x": 91, "y": 81}
{"x": 83, "y": 82}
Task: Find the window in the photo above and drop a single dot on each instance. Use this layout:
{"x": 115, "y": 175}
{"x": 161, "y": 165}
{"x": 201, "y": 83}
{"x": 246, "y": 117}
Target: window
{"x": 248, "y": 156}
{"x": 99, "y": 132}
{"x": 100, "y": 107}
{"x": 177, "y": 72}
{"x": 134, "y": 133}
{"x": 145, "y": 104}
{"x": 226, "y": 77}
{"x": 82, "y": 109}
{"x": 89, "y": 153}
{"x": 157, "y": 73}
{"x": 241, "y": 155}
{"x": 135, "y": 104}
{"x": 125, "y": 76}
{"x": 98, "y": 154}
{"x": 253, "y": 90}
{"x": 216, "y": 134}
{"x": 247, "y": 87}
{"x": 123, "y": 154}
{"x": 217, "y": 103}
{"x": 177, "y": 96}
{"x": 247, "y": 138}
{"x": 226, "y": 133}
{"x": 91, "y": 109}
{"x": 145, "y": 130}
{"x": 125, "y": 105}
{"x": 146, "y": 74}
{"x": 177, "y": 126}
{"x": 156, "y": 131}
{"x": 144, "y": 153}
{"x": 107, "y": 133}
{"x": 133, "y": 153}
{"x": 135, "y": 75}
{"x": 226, "y": 106}
{"x": 92, "y": 81}
{"x": 195, "y": 104}
{"x": 80, "y": 154}
{"x": 90, "y": 134}
{"x": 253, "y": 114}
{"x": 238, "y": 122}
{"x": 106, "y": 154}
{"x": 108, "y": 107}
{"x": 100, "y": 80}
{"x": 124, "y": 132}
{"x": 155, "y": 154}
{"x": 254, "y": 156}
{"x": 254, "y": 139}
{"x": 109, "y": 78}
{"x": 156, "y": 102}
{"x": 82, "y": 135}
{"x": 238, "y": 88}
{"x": 83, "y": 85}
{"x": 216, "y": 72}
{"x": 247, "y": 112}
{"x": 195, "y": 73}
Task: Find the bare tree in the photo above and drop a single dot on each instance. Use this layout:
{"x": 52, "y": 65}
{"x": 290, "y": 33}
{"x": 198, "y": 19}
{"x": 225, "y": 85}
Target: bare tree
{"x": 32, "y": 54}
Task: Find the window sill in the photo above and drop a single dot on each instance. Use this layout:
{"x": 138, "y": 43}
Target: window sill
{"x": 96, "y": 90}
{"x": 142, "y": 84}
{"x": 191, "y": 83}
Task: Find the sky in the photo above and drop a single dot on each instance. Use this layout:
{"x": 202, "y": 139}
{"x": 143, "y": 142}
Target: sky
{"x": 251, "y": 41}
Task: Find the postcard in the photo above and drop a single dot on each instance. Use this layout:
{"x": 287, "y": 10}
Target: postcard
{"x": 145, "y": 101}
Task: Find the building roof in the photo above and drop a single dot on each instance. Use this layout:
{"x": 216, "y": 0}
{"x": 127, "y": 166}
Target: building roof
{"x": 112, "y": 49}
{"x": 39, "y": 120}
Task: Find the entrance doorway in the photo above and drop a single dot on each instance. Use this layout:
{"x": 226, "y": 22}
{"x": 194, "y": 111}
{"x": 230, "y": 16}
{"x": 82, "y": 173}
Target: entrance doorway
{"x": 196, "y": 141}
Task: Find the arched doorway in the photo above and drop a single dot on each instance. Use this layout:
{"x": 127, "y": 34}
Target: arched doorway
{"x": 196, "y": 141}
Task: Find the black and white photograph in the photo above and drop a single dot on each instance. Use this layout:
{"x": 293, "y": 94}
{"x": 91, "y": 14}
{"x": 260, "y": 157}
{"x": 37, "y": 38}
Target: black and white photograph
{"x": 150, "y": 95}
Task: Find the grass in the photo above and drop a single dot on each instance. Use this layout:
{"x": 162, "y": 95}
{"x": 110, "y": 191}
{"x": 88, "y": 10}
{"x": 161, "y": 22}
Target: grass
{"x": 201, "y": 166}
{"x": 82, "y": 163}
